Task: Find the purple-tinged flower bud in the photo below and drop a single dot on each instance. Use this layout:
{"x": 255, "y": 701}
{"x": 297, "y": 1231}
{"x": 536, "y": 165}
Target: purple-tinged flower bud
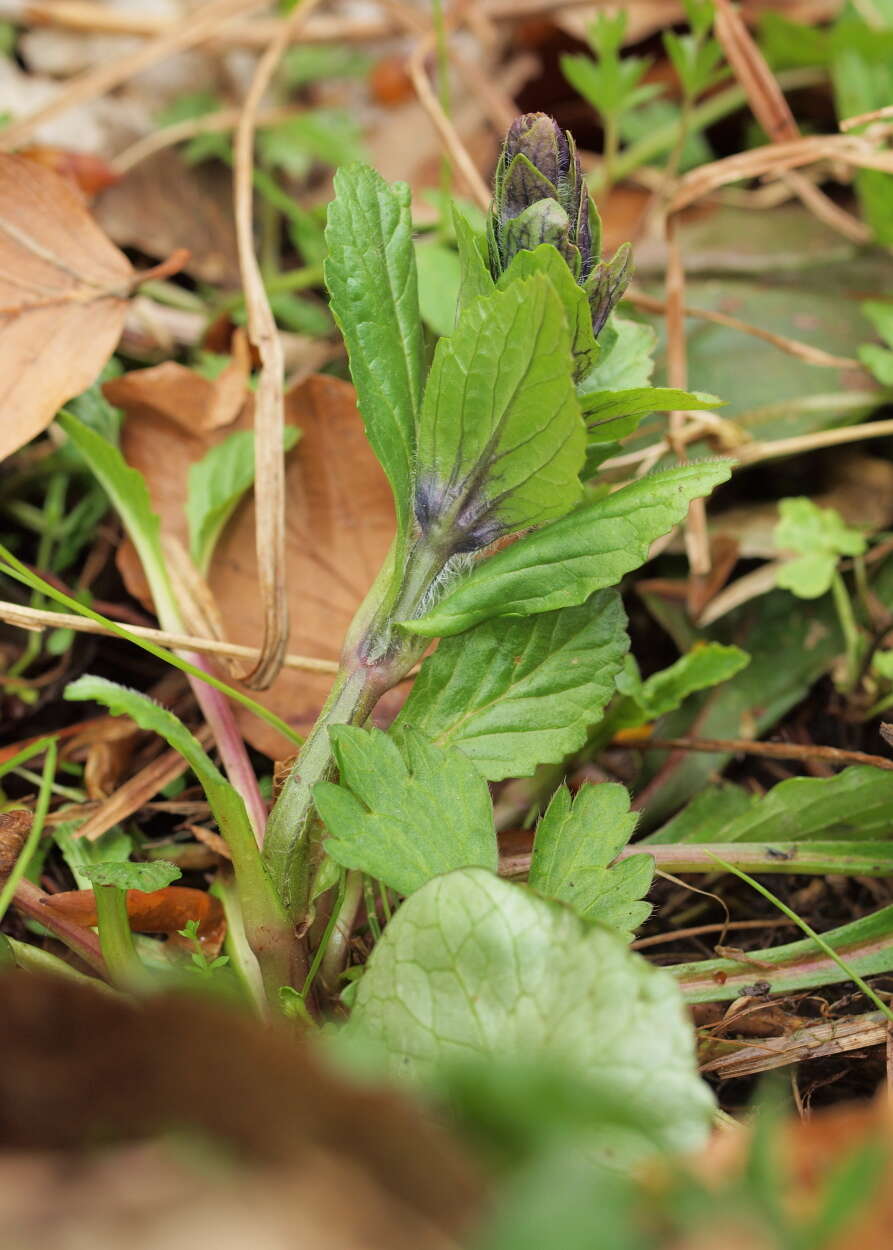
{"x": 540, "y": 196}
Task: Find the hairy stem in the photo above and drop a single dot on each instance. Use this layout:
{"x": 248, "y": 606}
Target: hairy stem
{"x": 377, "y": 655}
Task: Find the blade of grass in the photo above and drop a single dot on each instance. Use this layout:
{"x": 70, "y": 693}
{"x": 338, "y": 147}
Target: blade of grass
{"x": 14, "y": 568}
{"x": 41, "y": 808}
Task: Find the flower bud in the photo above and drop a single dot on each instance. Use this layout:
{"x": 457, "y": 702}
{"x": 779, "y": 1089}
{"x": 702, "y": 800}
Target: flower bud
{"x": 540, "y": 196}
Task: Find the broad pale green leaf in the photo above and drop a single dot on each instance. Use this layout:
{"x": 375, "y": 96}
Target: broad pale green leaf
{"x": 439, "y": 271}
{"x": 472, "y": 965}
{"x": 216, "y": 484}
{"x": 405, "y": 810}
{"x": 371, "y": 276}
{"x": 547, "y": 260}
{"x": 625, "y": 361}
{"x": 513, "y": 694}
{"x": 575, "y": 843}
{"x": 821, "y": 536}
{"x": 561, "y": 565}
{"x": 613, "y": 415}
{"x": 154, "y": 875}
{"x": 501, "y": 442}
{"x": 705, "y": 666}
{"x": 856, "y": 804}
{"x": 474, "y": 276}
{"x": 879, "y": 360}
{"x": 80, "y": 853}
{"x": 127, "y": 490}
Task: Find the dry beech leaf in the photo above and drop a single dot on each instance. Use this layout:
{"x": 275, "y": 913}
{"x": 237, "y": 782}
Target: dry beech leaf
{"x": 63, "y": 298}
{"x": 181, "y": 395}
{"x": 339, "y": 525}
{"x": 78, "y": 1067}
{"x": 163, "y": 204}
{"x": 154, "y": 911}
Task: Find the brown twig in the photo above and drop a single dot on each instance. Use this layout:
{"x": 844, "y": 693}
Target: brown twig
{"x": 771, "y": 750}
{"x": 776, "y": 159}
{"x": 180, "y": 132}
{"x": 269, "y": 408}
{"x": 794, "y": 347}
{"x": 446, "y": 130}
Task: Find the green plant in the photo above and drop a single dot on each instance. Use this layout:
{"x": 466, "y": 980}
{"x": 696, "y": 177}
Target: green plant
{"x": 498, "y": 440}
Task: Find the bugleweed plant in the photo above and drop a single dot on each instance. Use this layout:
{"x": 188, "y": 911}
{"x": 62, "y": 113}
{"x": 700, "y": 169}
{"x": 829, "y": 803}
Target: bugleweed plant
{"x": 508, "y": 550}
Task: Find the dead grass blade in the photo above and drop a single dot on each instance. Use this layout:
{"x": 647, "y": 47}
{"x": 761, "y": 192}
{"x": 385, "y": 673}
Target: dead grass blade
{"x": 269, "y": 415}
{"x": 818, "y": 1041}
{"x": 141, "y": 787}
{"x": 37, "y": 619}
{"x": 449, "y": 136}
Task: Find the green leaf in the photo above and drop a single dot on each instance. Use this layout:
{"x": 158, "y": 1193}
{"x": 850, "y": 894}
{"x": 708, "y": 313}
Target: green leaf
{"x": 146, "y": 878}
{"x": 879, "y": 361}
{"x": 474, "y": 276}
{"x": 227, "y": 804}
{"x": 328, "y": 136}
{"x": 575, "y": 843}
{"x": 405, "y": 810}
{"x": 217, "y": 482}
{"x": 822, "y": 536}
{"x": 856, "y": 804}
{"x": 127, "y": 490}
{"x": 561, "y": 565}
{"x": 80, "y": 853}
{"x": 705, "y": 665}
{"x": 472, "y": 965}
{"x": 613, "y": 415}
{"x": 880, "y": 314}
{"x": 371, "y": 276}
{"x": 625, "y": 361}
{"x": 439, "y": 271}
{"x": 547, "y": 260}
{"x": 513, "y": 694}
{"x": 501, "y": 442}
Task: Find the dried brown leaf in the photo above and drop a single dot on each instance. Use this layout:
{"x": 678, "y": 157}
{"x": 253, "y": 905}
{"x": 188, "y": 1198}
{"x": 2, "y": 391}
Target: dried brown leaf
{"x": 155, "y": 911}
{"x": 339, "y": 525}
{"x": 163, "y": 204}
{"x": 63, "y": 298}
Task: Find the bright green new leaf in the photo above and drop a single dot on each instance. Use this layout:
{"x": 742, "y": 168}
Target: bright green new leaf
{"x": 822, "y": 537}
{"x": 625, "y": 362}
{"x": 371, "y": 276}
{"x": 880, "y": 314}
{"x": 501, "y": 442}
{"x": 547, "y": 260}
{"x": 405, "y": 810}
{"x": 80, "y": 853}
{"x": 154, "y": 875}
{"x": 474, "y": 276}
{"x": 575, "y": 843}
{"x": 855, "y": 804}
{"x": 879, "y": 361}
{"x": 705, "y": 666}
{"x": 473, "y": 965}
{"x": 217, "y": 483}
{"x": 561, "y": 565}
{"x": 439, "y": 272}
{"x": 613, "y": 415}
{"x": 513, "y": 694}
